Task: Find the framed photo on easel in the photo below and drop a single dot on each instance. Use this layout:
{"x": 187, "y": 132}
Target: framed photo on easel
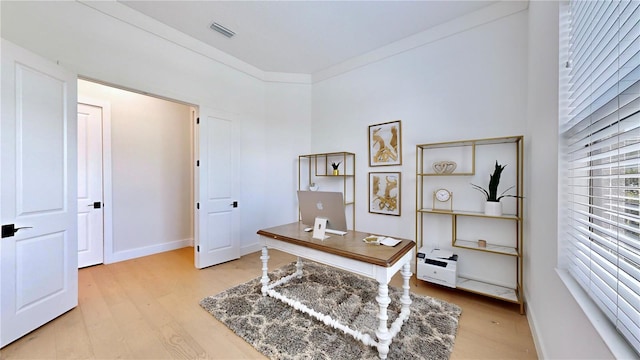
{"x": 385, "y": 144}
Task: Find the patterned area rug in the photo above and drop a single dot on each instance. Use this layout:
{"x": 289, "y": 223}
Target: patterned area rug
{"x": 280, "y": 332}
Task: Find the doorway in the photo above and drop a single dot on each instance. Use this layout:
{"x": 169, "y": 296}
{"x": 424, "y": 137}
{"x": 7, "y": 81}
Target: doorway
{"x": 147, "y": 195}
{"x": 94, "y": 141}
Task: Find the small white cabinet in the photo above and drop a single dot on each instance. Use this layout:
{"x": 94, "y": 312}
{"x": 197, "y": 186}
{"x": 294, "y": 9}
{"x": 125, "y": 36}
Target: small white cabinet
{"x": 489, "y": 247}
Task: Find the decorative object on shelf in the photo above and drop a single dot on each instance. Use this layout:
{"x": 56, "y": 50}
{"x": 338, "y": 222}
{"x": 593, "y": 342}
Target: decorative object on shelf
{"x": 384, "y": 193}
{"x": 385, "y": 144}
{"x": 493, "y": 206}
{"x": 442, "y": 196}
{"x": 444, "y": 167}
{"x": 335, "y": 168}
{"x": 482, "y": 243}
{"x": 313, "y": 187}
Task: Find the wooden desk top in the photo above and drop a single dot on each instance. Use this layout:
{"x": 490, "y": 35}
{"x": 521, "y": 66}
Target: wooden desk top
{"x": 349, "y": 246}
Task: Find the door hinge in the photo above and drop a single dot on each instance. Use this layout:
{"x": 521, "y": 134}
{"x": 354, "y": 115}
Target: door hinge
{"x": 198, "y": 120}
{"x": 197, "y": 205}
{"x": 198, "y": 248}
{"x": 197, "y": 162}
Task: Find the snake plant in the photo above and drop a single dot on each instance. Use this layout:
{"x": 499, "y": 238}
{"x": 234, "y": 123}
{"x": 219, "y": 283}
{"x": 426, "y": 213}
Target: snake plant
{"x": 494, "y": 180}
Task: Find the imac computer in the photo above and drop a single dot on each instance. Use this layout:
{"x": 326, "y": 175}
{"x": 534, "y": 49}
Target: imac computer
{"x": 323, "y": 204}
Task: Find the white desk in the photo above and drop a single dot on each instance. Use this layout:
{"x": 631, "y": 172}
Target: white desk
{"x": 349, "y": 253}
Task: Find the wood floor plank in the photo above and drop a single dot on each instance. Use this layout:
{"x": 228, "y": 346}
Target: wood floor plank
{"x": 106, "y": 339}
{"x": 213, "y": 336}
{"x": 72, "y": 338}
{"x": 142, "y": 338}
{"x": 148, "y": 308}
{"x": 180, "y": 344}
{"x": 142, "y": 288}
{"x": 110, "y": 289}
{"x": 38, "y": 344}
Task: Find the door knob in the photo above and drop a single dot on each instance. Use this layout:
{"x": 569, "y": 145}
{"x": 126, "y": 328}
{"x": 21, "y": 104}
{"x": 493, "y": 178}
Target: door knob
{"x": 10, "y": 230}
{"x": 96, "y": 205}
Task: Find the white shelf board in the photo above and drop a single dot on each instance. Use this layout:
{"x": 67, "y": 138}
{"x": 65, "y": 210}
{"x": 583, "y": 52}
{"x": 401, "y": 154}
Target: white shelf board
{"x": 467, "y": 213}
{"x": 479, "y": 287}
{"x": 450, "y": 174}
{"x": 473, "y": 245}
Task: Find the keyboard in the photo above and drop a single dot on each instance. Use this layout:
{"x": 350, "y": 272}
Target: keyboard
{"x": 336, "y": 232}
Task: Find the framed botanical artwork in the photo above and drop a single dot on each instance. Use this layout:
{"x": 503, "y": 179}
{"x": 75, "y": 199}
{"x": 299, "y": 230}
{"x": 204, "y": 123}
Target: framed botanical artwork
{"x": 385, "y": 144}
{"x": 384, "y": 193}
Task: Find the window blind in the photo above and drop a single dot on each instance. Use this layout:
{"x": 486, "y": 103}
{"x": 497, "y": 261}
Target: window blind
{"x": 600, "y": 155}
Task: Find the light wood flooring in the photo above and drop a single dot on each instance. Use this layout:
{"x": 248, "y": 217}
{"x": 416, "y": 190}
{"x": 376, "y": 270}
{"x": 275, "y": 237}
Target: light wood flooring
{"x": 147, "y": 308}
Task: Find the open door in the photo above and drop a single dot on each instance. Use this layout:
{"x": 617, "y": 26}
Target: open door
{"x": 217, "y": 224}
{"x": 39, "y": 272}
{"x": 90, "y": 189}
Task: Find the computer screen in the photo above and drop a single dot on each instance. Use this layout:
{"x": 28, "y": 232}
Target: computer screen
{"x": 325, "y": 204}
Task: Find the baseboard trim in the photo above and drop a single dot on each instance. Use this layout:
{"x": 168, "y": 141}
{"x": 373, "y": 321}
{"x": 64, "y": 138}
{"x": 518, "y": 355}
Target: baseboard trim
{"x": 533, "y": 326}
{"x": 148, "y": 250}
{"x": 251, "y": 248}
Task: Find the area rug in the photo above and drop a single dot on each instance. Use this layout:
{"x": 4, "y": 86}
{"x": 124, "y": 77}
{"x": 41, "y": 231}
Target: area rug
{"x": 280, "y": 332}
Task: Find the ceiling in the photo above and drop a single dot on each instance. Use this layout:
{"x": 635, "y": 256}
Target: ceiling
{"x": 303, "y": 36}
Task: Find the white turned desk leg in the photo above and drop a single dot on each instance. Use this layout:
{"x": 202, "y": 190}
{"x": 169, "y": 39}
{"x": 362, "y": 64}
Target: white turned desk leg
{"x": 405, "y": 300}
{"x": 384, "y": 337}
{"x": 264, "y": 280}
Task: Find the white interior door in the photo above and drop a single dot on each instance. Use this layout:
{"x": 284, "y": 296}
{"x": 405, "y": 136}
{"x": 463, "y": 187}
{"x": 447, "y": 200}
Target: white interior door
{"x": 90, "y": 203}
{"x": 217, "y": 229}
{"x": 39, "y": 269}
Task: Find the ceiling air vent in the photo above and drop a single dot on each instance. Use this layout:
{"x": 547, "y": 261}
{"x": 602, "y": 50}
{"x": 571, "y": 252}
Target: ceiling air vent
{"x": 222, "y": 30}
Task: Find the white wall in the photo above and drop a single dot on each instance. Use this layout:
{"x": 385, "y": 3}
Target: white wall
{"x": 270, "y": 150}
{"x": 288, "y": 110}
{"x": 466, "y": 86}
{"x": 560, "y": 327}
{"x": 151, "y": 182}
{"x": 102, "y": 47}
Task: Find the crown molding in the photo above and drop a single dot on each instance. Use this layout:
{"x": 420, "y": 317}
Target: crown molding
{"x": 292, "y": 78}
{"x": 145, "y": 23}
{"x": 463, "y": 23}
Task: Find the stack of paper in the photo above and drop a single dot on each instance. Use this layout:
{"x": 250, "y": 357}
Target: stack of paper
{"x": 381, "y": 240}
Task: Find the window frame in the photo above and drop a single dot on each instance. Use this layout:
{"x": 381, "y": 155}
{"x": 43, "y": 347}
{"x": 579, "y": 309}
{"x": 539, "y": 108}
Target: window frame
{"x": 619, "y": 346}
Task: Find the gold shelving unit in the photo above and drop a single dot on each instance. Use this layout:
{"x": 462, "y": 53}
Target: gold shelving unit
{"x": 316, "y": 169}
{"x": 464, "y": 208}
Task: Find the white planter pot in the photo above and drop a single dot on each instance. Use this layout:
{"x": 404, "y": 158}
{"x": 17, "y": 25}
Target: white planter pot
{"x": 493, "y": 208}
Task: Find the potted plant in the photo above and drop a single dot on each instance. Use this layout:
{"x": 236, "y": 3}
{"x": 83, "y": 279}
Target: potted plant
{"x": 493, "y": 205}
{"x": 335, "y": 167}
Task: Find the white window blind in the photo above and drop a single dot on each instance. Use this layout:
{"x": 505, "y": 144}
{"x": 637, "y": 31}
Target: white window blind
{"x": 600, "y": 155}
